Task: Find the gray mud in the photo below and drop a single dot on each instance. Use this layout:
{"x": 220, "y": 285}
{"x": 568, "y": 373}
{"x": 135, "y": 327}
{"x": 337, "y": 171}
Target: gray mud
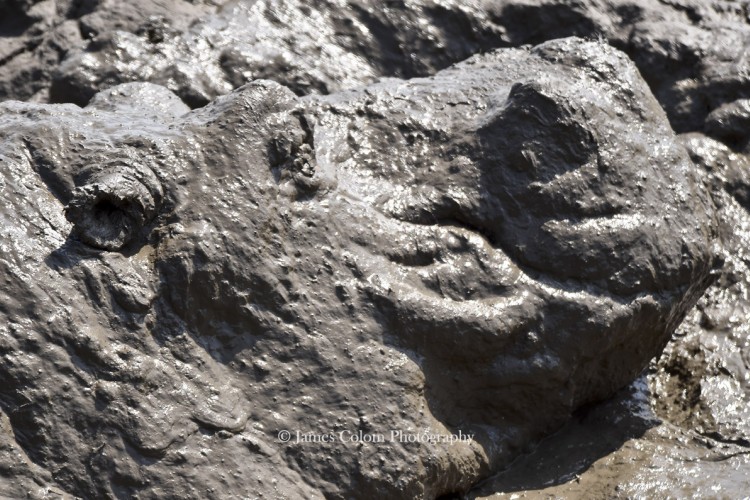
{"x": 353, "y": 219}
{"x": 691, "y": 52}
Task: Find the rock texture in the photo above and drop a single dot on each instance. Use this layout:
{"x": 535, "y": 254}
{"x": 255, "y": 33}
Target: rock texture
{"x": 478, "y": 252}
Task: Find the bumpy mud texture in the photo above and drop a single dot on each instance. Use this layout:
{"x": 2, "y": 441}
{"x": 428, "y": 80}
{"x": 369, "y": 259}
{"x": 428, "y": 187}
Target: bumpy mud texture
{"x": 124, "y": 201}
{"x": 315, "y": 47}
{"x": 35, "y": 36}
{"x": 482, "y": 252}
{"x": 693, "y": 53}
{"x": 682, "y": 430}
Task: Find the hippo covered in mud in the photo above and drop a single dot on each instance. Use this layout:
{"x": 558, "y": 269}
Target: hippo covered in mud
{"x": 387, "y": 292}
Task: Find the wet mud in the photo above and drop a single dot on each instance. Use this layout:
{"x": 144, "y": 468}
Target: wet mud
{"x": 353, "y": 250}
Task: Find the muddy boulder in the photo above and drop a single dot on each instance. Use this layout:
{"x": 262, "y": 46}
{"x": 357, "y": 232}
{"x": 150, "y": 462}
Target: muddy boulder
{"x": 320, "y": 48}
{"x": 692, "y": 53}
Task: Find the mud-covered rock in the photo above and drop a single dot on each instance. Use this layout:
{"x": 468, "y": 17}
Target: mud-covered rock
{"x": 311, "y": 48}
{"x": 37, "y": 35}
{"x": 730, "y": 124}
{"x": 691, "y": 52}
{"x": 702, "y": 379}
{"x": 473, "y": 254}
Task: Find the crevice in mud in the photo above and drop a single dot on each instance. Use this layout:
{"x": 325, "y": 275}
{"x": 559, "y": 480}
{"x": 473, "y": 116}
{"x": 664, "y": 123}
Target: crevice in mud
{"x": 722, "y": 458}
{"x": 535, "y": 24}
{"x": 543, "y": 276}
{"x": 29, "y": 47}
{"x": 394, "y": 58}
{"x": 451, "y": 496}
{"x": 717, "y": 436}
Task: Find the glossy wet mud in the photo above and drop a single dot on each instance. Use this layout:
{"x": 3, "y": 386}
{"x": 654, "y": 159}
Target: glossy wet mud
{"x": 484, "y": 251}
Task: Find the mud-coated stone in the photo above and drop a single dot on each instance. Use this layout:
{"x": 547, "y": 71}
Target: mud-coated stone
{"x": 691, "y": 52}
{"x": 730, "y": 123}
{"x": 37, "y": 35}
{"x": 311, "y": 48}
{"x": 475, "y": 253}
{"x": 684, "y": 431}
{"x": 702, "y": 379}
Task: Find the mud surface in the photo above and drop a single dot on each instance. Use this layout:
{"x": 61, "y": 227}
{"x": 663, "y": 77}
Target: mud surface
{"x": 36, "y": 36}
{"x": 623, "y": 449}
{"x": 375, "y": 243}
{"x": 691, "y": 52}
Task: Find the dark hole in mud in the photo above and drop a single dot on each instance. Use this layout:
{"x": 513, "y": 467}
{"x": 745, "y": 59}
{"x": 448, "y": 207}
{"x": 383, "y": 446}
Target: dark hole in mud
{"x": 108, "y": 213}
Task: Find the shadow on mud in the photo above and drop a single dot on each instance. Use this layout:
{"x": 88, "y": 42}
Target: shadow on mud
{"x": 593, "y": 432}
